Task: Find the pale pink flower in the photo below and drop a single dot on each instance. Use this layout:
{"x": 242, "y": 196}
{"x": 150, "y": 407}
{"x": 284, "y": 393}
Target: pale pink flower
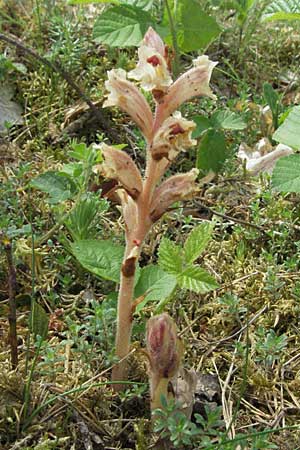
{"x": 174, "y": 189}
{"x": 119, "y": 166}
{"x": 192, "y": 83}
{"x": 152, "y": 69}
{"x": 126, "y": 96}
{"x": 174, "y": 135}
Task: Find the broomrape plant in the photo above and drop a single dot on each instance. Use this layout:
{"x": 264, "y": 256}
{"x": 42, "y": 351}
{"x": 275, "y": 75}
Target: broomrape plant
{"x": 145, "y": 199}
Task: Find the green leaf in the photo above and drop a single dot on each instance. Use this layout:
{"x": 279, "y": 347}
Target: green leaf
{"x": 57, "y": 185}
{"x": 195, "y": 29}
{"x": 196, "y": 279}
{"x": 228, "y": 120}
{"x": 170, "y": 256}
{"x": 86, "y": 2}
{"x": 146, "y": 5}
{"x": 81, "y": 219}
{"x": 289, "y": 132}
{"x": 203, "y": 124}
{"x": 154, "y": 280}
{"x": 212, "y": 152}
{"x": 103, "y": 258}
{"x": 39, "y": 321}
{"x": 196, "y": 241}
{"x": 272, "y": 98}
{"x": 286, "y": 174}
{"x": 122, "y": 26}
{"x": 282, "y": 10}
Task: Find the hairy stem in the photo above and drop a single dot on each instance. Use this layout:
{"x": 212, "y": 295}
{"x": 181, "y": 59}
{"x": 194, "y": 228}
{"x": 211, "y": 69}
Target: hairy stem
{"x": 124, "y": 323}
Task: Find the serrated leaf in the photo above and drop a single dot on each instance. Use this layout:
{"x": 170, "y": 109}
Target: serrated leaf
{"x": 282, "y": 10}
{"x": 103, "y": 258}
{"x": 58, "y": 186}
{"x": 170, "y": 256}
{"x": 286, "y": 174}
{"x": 288, "y": 133}
{"x": 39, "y": 321}
{"x": 228, "y": 120}
{"x": 196, "y": 241}
{"x": 212, "y": 152}
{"x": 203, "y": 123}
{"x": 122, "y": 26}
{"x": 196, "y": 279}
{"x": 154, "y": 280}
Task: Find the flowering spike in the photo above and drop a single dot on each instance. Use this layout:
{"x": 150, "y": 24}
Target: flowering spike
{"x": 175, "y": 188}
{"x": 126, "y": 96}
{"x": 192, "y": 83}
{"x": 119, "y": 166}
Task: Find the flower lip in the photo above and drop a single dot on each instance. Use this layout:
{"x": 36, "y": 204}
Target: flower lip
{"x": 154, "y": 60}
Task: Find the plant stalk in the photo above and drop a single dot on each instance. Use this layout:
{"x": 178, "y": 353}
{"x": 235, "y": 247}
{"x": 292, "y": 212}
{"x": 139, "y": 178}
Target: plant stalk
{"x": 12, "y": 316}
{"x": 176, "y": 62}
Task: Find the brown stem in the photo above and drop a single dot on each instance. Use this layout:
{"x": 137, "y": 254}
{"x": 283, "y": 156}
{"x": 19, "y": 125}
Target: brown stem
{"x": 124, "y": 323}
{"x": 12, "y": 315}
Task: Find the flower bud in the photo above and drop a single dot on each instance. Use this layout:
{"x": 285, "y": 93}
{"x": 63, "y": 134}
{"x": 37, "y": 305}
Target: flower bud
{"x": 163, "y": 346}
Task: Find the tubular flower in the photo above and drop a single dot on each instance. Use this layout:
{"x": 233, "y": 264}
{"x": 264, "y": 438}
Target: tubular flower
{"x": 152, "y": 69}
{"x": 192, "y": 83}
{"x": 163, "y": 346}
{"x": 126, "y": 96}
{"x": 175, "y": 188}
{"x": 119, "y": 166}
{"x": 173, "y": 136}
{"x": 153, "y": 40}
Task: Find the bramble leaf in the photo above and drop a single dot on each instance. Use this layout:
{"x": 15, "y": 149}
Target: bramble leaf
{"x": 170, "y": 257}
{"x": 197, "y": 241}
{"x": 196, "y": 279}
